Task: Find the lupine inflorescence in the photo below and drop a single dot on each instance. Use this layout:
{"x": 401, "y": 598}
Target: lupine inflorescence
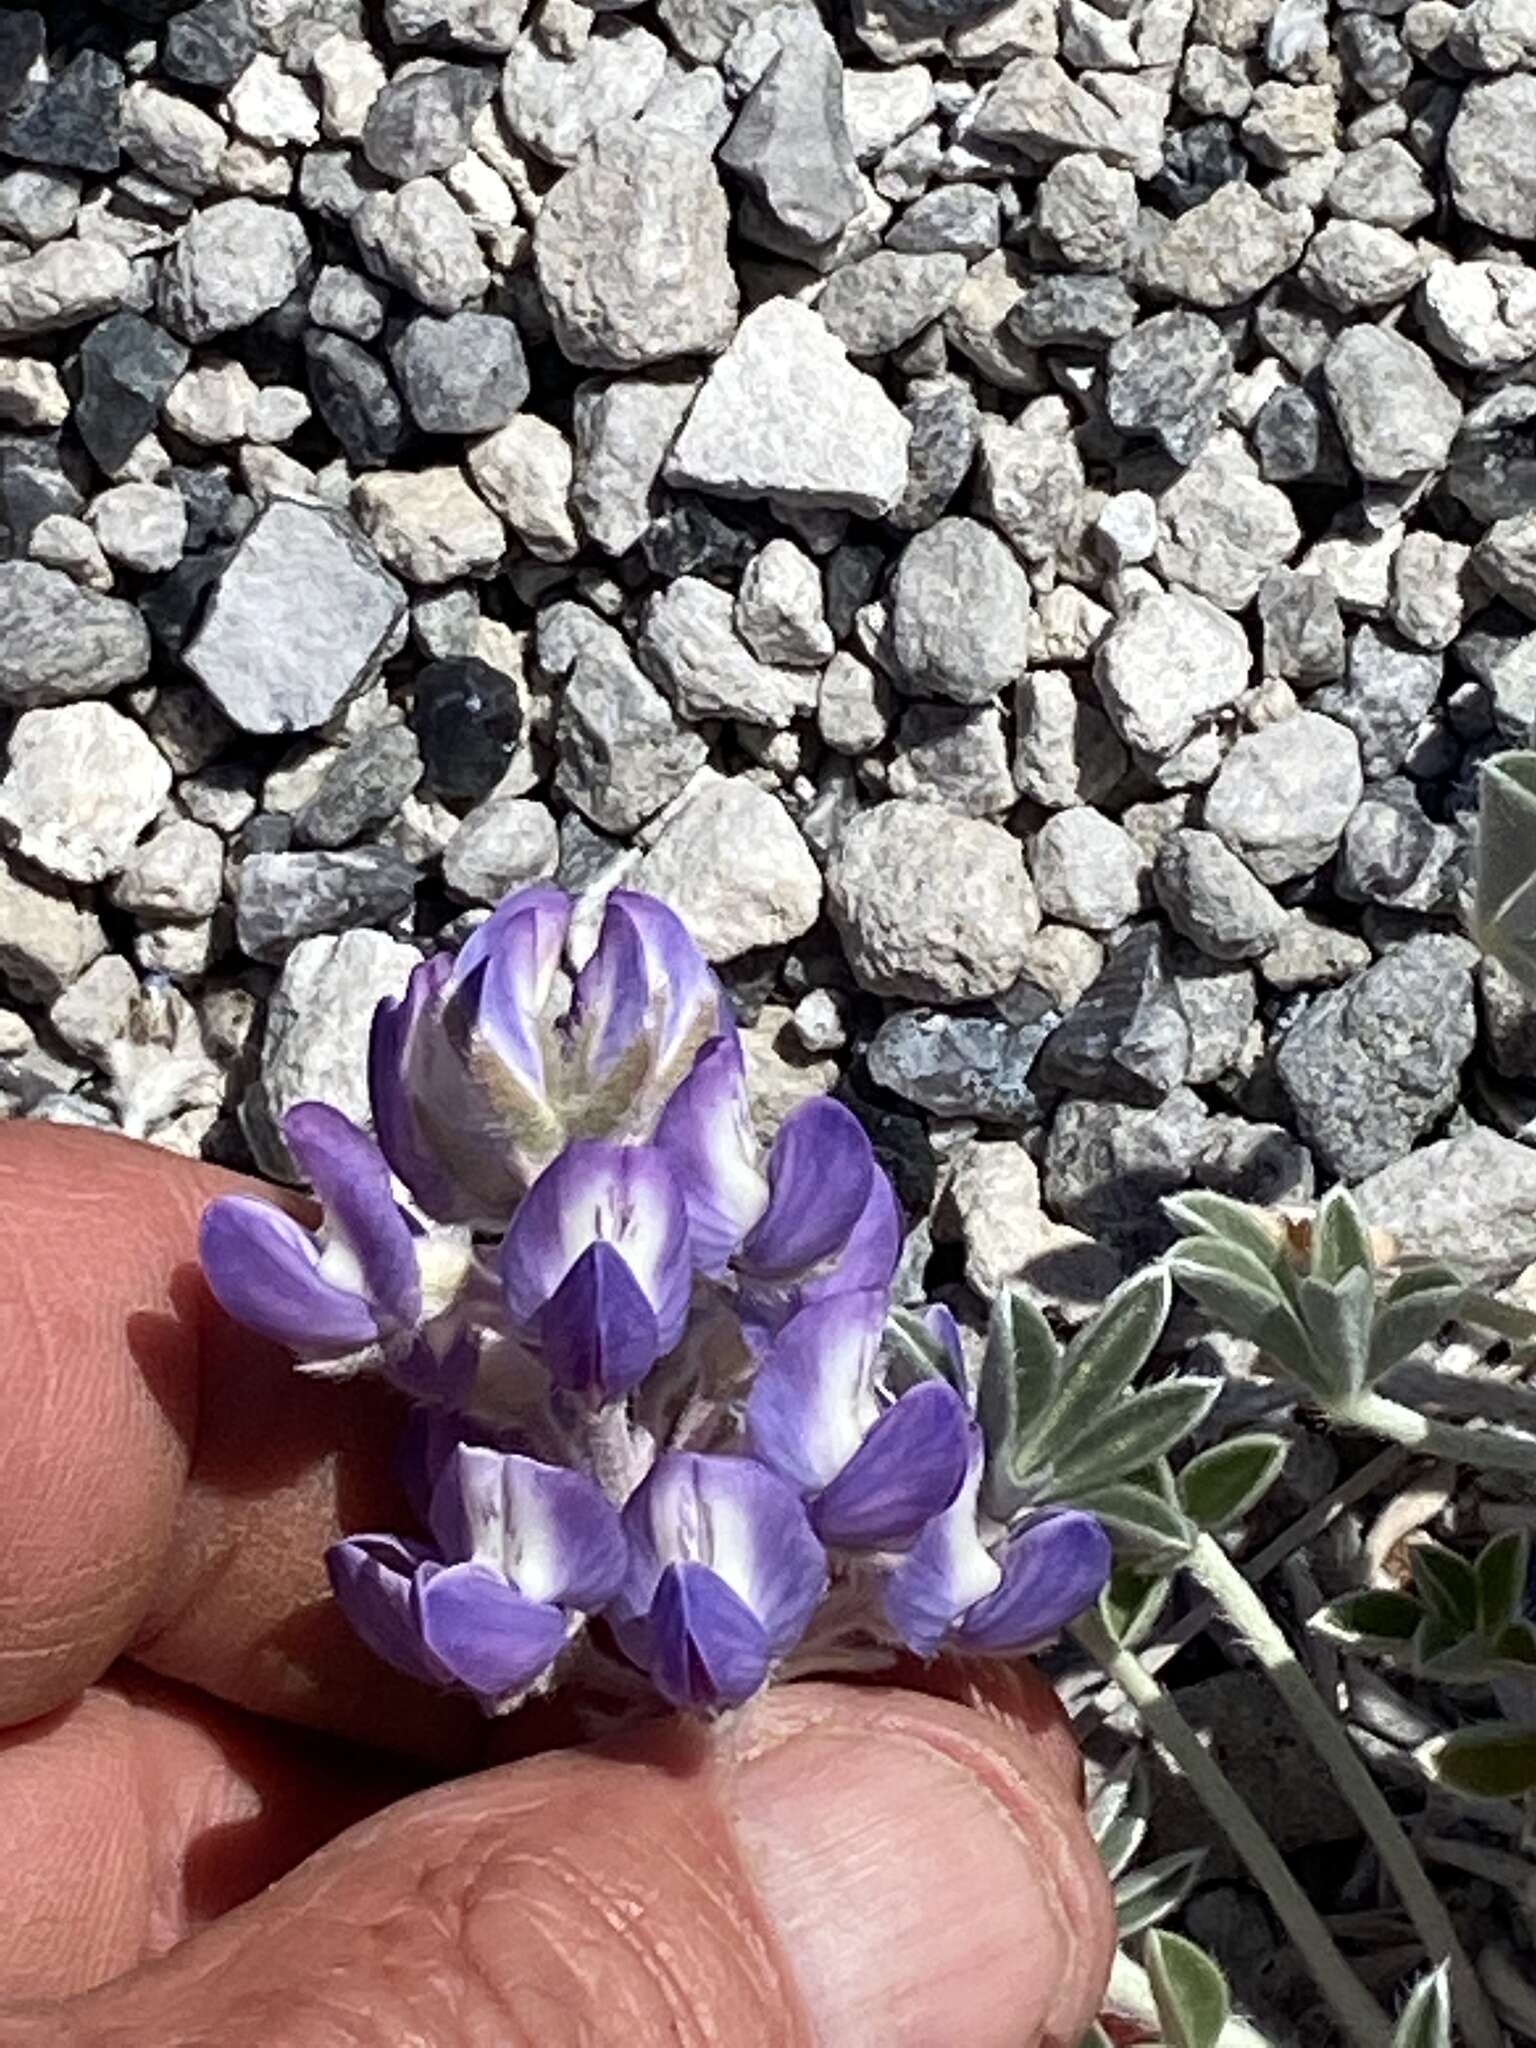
{"x": 652, "y": 1382}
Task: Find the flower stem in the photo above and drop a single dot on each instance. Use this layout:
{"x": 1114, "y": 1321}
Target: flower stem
{"x": 1362, "y": 2019}
{"x": 1486, "y": 1450}
{"x": 1243, "y": 1608}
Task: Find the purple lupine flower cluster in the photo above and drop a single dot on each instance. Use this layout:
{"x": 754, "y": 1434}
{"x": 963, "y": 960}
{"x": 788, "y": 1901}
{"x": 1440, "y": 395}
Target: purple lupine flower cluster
{"x": 656, "y": 1432}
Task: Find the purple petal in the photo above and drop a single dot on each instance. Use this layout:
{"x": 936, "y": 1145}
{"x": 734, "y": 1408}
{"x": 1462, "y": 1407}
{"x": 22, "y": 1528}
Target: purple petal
{"x": 548, "y": 1530}
{"x": 264, "y": 1270}
{"x": 622, "y": 1195}
{"x": 392, "y": 1044}
{"x": 351, "y": 1176}
{"x": 946, "y": 1571}
{"x": 706, "y": 1132}
{"x": 645, "y": 960}
{"x": 819, "y": 1175}
{"x": 707, "y": 1648}
{"x": 483, "y": 1632}
{"x": 444, "y": 1378}
{"x": 908, "y": 1469}
{"x": 598, "y": 1334}
{"x": 872, "y": 1252}
{"x": 372, "y": 1578}
{"x": 1051, "y": 1569}
{"x": 541, "y": 910}
{"x": 740, "y": 1520}
{"x": 941, "y": 1324}
{"x": 813, "y": 1401}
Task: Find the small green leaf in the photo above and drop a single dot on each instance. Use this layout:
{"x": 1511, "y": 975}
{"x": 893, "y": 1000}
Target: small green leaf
{"x": 1145, "y": 1896}
{"x": 1020, "y": 1373}
{"x": 1338, "y": 1315}
{"x": 1500, "y": 1573}
{"x": 1370, "y": 1620}
{"x": 1504, "y": 916}
{"x": 1484, "y": 1763}
{"x": 1136, "y": 1429}
{"x": 1103, "y": 1359}
{"x": 1515, "y": 1646}
{"x": 1241, "y": 1295}
{"x": 1436, "y": 1642}
{"x": 1446, "y": 1584}
{"x": 1119, "y": 1842}
{"x": 1425, "y": 2021}
{"x": 1413, "y": 1308}
{"x": 1130, "y": 1604}
{"x": 1203, "y": 1214}
{"x": 1218, "y": 1487}
{"x": 1146, "y": 1530}
{"x": 1340, "y": 1242}
{"x": 914, "y": 1354}
{"x": 1189, "y": 1990}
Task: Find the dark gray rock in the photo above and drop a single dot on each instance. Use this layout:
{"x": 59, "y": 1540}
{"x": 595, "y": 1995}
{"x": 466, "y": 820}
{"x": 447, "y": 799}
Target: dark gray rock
{"x": 1394, "y": 854}
{"x": 1168, "y": 378}
{"x": 34, "y": 481}
{"x": 1128, "y": 1037}
{"x": 60, "y": 643}
{"x": 1370, "y": 1067}
{"x": 354, "y": 396}
{"x": 362, "y": 789}
{"x": 1072, "y": 312}
{"x": 74, "y": 121}
{"x": 281, "y": 898}
{"x": 1388, "y": 689}
{"x": 964, "y": 218}
{"x": 789, "y": 145}
{"x": 881, "y": 302}
{"x": 1213, "y": 898}
{"x": 127, "y": 365}
{"x": 960, "y": 1066}
{"x": 299, "y": 618}
{"x": 468, "y": 720}
{"x": 1198, "y": 161}
{"x": 23, "y": 54}
{"x": 1109, "y": 1165}
{"x": 1290, "y": 436}
{"x": 946, "y": 423}
{"x": 463, "y": 375}
{"x": 420, "y": 124}
{"x": 210, "y": 44}
{"x": 622, "y": 752}
{"x": 1303, "y": 632}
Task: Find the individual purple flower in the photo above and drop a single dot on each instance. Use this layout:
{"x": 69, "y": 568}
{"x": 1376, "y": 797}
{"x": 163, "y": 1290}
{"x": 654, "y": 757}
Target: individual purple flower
{"x": 818, "y": 1218}
{"x": 872, "y": 1473}
{"x": 595, "y": 1267}
{"x": 724, "y": 1574}
{"x": 522, "y": 1549}
{"x": 353, "y": 1285}
{"x": 956, "y": 1590}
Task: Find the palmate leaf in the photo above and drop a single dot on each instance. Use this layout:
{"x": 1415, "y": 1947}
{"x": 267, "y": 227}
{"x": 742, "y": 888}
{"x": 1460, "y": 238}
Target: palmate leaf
{"x": 1504, "y": 913}
{"x": 1497, "y": 1762}
{"x": 1189, "y": 1990}
{"x": 1240, "y": 1294}
{"x": 1203, "y": 1214}
{"x": 1425, "y": 2021}
{"x": 1218, "y": 1487}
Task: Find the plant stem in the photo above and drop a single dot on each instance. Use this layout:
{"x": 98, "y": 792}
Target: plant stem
{"x": 1251, "y": 1618}
{"x": 1486, "y": 1450}
{"x": 1362, "y": 2019}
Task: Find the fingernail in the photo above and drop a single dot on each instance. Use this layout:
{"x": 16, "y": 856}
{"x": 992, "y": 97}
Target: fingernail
{"x": 924, "y": 1890}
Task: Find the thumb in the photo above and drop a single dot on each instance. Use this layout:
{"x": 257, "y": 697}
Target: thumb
{"x": 833, "y": 1866}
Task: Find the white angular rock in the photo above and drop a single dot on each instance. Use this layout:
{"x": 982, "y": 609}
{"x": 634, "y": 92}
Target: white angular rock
{"x": 234, "y": 261}
{"x": 177, "y": 873}
{"x": 688, "y": 644}
{"x": 427, "y": 524}
{"x": 421, "y": 239}
{"x": 1167, "y": 666}
{"x": 61, "y": 285}
{"x": 82, "y": 784}
{"x": 32, "y": 393}
{"x": 783, "y": 413}
{"x": 1087, "y": 870}
{"x": 270, "y": 106}
{"x": 501, "y": 845}
{"x": 143, "y": 526}
{"x": 779, "y": 607}
{"x": 171, "y": 139}
{"x": 525, "y": 470}
{"x": 623, "y": 430}
{"x": 733, "y": 865}
{"x": 1285, "y": 793}
{"x": 210, "y": 405}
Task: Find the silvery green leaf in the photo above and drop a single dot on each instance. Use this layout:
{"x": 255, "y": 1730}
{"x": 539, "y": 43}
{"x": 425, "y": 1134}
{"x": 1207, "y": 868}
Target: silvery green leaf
{"x": 1514, "y": 1649}
{"x": 1240, "y": 1295}
{"x": 1425, "y": 2021}
{"x": 1446, "y": 1584}
{"x": 1020, "y": 1374}
{"x": 1137, "y": 1428}
{"x": 1413, "y": 1308}
{"x": 1486, "y": 1312}
{"x": 1218, "y": 1487}
{"x": 1340, "y": 1242}
{"x": 1189, "y": 1989}
{"x": 1504, "y": 914}
{"x": 1497, "y": 1762}
{"x": 1145, "y": 1896}
{"x": 1374, "y": 1619}
{"x": 914, "y": 1353}
{"x": 1338, "y": 1316}
{"x": 1146, "y": 1528}
{"x": 1131, "y": 1602}
{"x": 1104, "y": 1358}
{"x": 1119, "y": 1842}
{"x": 1436, "y": 1642}
{"x": 1500, "y": 1573}
{"x": 1203, "y": 1214}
